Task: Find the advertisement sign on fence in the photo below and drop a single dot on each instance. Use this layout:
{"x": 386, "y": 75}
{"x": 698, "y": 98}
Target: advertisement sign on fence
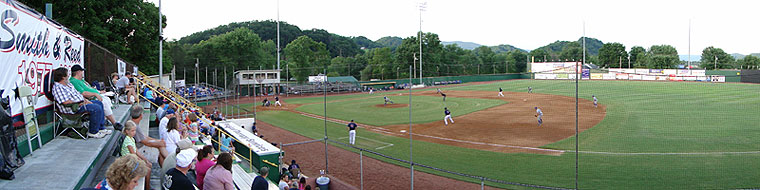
{"x": 30, "y": 47}
{"x": 608, "y": 76}
{"x": 656, "y": 71}
{"x": 586, "y": 74}
{"x": 717, "y": 78}
{"x": 621, "y": 76}
{"x": 597, "y": 76}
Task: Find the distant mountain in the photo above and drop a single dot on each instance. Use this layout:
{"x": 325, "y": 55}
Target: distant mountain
{"x": 503, "y": 48}
{"x": 365, "y": 43}
{"x": 390, "y": 41}
{"x": 738, "y": 56}
{"x": 592, "y": 46}
{"x": 694, "y": 58}
{"x": 463, "y": 45}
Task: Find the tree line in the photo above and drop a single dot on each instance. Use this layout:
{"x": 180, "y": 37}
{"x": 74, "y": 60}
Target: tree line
{"x": 129, "y": 29}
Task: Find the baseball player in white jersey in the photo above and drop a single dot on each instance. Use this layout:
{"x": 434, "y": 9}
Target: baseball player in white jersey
{"x": 277, "y": 101}
{"x": 539, "y": 114}
{"x": 500, "y": 92}
{"x": 448, "y": 116}
{"x": 370, "y": 90}
{"x": 387, "y": 100}
{"x": 595, "y": 101}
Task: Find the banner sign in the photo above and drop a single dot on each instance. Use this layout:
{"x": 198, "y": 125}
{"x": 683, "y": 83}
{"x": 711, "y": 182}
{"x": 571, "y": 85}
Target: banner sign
{"x": 597, "y": 76}
{"x": 698, "y": 72}
{"x": 621, "y": 76}
{"x": 31, "y": 46}
{"x": 656, "y": 71}
{"x": 318, "y": 78}
{"x": 717, "y": 78}
{"x": 608, "y": 76}
{"x": 179, "y": 83}
{"x": 642, "y": 71}
{"x": 586, "y": 74}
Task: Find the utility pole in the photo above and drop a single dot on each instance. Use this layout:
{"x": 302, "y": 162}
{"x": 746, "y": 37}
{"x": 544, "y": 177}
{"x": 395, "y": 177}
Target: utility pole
{"x": 715, "y": 65}
{"x": 160, "y": 45}
{"x": 422, "y": 8}
{"x": 196, "y": 71}
{"x": 278, "y": 35}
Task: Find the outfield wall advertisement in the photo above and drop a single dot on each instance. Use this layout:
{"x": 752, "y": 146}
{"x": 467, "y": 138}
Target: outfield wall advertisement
{"x": 564, "y": 70}
{"x": 31, "y": 46}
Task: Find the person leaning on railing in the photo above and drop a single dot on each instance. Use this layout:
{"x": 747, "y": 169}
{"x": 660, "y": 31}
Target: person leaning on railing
{"x": 77, "y": 80}
{"x": 65, "y": 94}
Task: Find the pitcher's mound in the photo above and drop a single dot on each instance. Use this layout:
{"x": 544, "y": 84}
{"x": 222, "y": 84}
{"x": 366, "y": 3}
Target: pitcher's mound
{"x": 391, "y": 105}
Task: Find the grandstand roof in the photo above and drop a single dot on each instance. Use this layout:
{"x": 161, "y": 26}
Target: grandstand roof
{"x": 342, "y": 79}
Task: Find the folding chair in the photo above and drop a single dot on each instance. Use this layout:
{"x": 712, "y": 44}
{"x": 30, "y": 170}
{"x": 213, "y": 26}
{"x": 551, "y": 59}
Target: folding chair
{"x": 30, "y": 117}
{"x": 67, "y": 121}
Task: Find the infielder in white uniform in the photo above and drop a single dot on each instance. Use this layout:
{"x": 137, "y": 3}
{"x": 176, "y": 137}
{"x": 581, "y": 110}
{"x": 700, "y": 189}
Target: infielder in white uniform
{"x": 351, "y": 132}
{"x": 539, "y": 114}
{"x": 595, "y": 101}
{"x": 277, "y": 101}
{"x": 448, "y": 116}
{"x": 500, "y": 93}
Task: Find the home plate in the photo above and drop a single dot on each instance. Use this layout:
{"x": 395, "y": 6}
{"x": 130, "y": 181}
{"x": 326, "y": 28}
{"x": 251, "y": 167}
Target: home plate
{"x": 403, "y": 131}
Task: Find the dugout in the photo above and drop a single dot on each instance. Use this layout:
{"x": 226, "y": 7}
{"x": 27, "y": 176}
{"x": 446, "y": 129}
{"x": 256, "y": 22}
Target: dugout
{"x": 379, "y": 85}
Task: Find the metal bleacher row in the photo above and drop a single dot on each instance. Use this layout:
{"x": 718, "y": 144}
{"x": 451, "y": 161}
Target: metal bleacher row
{"x": 242, "y": 179}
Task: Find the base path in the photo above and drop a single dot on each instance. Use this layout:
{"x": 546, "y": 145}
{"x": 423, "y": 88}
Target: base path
{"x": 391, "y": 105}
{"x": 510, "y": 127}
{"x": 344, "y": 165}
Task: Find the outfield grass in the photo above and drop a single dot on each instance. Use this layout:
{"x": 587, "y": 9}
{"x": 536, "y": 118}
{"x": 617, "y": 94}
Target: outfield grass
{"x": 424, "y": 109}
{"x": 642, "y": 117}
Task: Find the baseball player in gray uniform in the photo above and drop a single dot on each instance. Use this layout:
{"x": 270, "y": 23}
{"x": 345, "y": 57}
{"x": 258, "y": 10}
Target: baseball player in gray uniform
{"x": 387, "y": 100}
{"x": 539, "y": 114}
{"x": 530, "y": 89}
{"x": 595, "y": 101}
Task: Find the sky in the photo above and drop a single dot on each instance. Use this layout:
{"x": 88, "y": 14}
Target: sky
{"x": 732, "y": 25}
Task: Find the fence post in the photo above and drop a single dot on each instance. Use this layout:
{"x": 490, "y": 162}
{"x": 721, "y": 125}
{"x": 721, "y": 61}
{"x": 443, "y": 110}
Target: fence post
{"x": 482, "y": 183}
{"x": 361, "y": 168}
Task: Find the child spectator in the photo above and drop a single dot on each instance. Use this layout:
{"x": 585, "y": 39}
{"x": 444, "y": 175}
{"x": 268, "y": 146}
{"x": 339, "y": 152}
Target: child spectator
{"x": 129, "y": 147}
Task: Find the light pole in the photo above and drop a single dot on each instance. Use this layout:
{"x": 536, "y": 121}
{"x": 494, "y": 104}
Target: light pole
{"x": 715, "y": 64}
{"x": 422, "y": 7}
{"x": 160, "y": 46}
{"x": 278, "y": 35}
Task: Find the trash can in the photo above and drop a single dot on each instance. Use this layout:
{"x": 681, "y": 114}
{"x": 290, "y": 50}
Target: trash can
{"x": 323, "y": 182}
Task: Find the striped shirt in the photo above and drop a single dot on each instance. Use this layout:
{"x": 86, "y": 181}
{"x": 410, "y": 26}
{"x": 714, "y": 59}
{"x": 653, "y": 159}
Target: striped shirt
{"x": 63, "y": 93}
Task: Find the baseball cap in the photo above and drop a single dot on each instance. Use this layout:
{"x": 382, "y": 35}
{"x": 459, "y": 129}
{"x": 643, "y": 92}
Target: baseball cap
{"x": 535, "y": 107}
{"x": 76, "y": 68}
{"x": 170, "y": 111}
{"x": 185, "y": 144}
{"x": 186, "y": 157}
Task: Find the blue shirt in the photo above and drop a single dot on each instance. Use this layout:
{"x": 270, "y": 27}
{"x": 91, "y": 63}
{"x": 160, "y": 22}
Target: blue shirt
{"x": 447, "y": 112}
{"x": 352, "y": 126}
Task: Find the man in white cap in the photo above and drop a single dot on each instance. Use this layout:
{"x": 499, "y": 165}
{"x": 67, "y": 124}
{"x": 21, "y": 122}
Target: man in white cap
{"x": 176, "y": 178}
{"x": 170, "y": 161}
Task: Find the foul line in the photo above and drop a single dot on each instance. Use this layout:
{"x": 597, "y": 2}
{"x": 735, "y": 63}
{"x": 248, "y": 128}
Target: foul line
{"x": 382, "y": 147}
{"x": 663, "y": 153}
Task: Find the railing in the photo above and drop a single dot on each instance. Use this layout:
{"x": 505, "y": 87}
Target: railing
{"x": 177, "y": 98}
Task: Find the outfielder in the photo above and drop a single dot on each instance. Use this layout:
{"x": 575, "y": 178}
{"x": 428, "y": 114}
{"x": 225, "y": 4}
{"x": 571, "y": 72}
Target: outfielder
{"x": 595, "y": 101}
{"x": 387, "y": 100}
{"x": 530, "y": 89}
{"x": 351, "y": 132}
{"x": 500, "y": 92}
{"x": 539, "y": 114}
{"x": 448, "y": 116}
{"x": 277, "y": 101}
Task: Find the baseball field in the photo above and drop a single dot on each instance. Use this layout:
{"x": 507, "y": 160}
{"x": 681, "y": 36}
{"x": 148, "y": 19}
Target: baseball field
{"x": 643, "y": 135}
